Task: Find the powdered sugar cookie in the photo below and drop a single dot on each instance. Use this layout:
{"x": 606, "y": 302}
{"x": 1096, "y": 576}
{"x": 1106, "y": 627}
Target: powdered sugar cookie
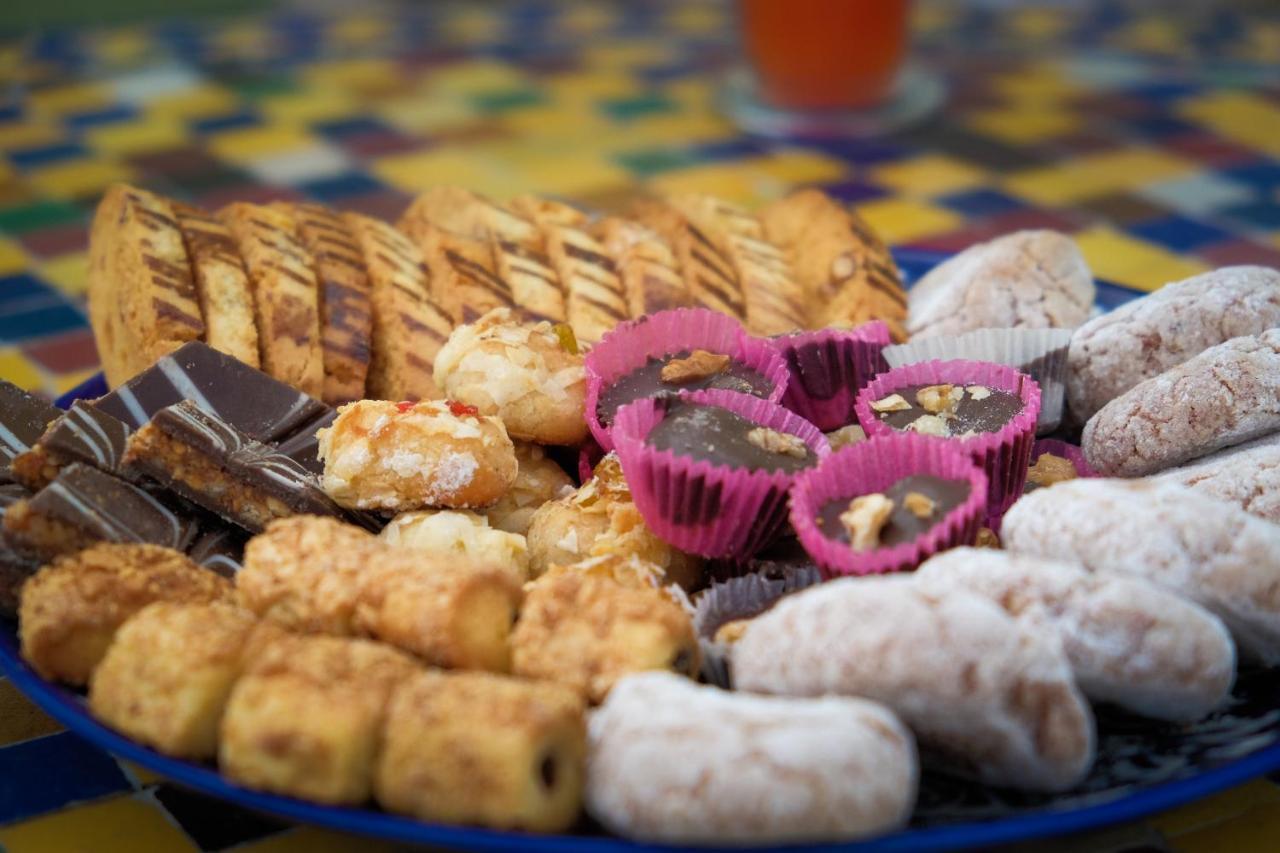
{"x": 1247, "y": 475}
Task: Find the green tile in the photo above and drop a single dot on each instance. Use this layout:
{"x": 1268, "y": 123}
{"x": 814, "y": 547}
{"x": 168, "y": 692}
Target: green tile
{"x": 502, "y": 100}
{"x": 623, "y": 109}
{"x": 650, "y": 161}
{"x": 261, "y": 86}
{"x": 40, "y": 214}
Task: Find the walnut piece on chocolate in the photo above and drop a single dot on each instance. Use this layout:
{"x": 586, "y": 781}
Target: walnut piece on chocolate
{"x": 846, "y": 436}
{"x": 865, "y": 518}
{"x": 930, "y": 425}
{"x": 978, "y": 392}
{"x": 1050, "y": 469}
{"x": 773, "y": 441}
{"x": 939, "y": 399}
{"x": 698, "y": 365}
{"x": 892, "y": 403}
{"x": 986, "y": 538}
{"x": 919, "y": 505}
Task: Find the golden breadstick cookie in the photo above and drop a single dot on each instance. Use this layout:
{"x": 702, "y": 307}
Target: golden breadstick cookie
{"x": 538, "y": 480}
{"x": 649, "y": 271}
{"x": 222, "y": 284}
{"x": 708, "y": 271}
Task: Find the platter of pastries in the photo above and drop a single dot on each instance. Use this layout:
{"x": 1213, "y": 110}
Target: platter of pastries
{"x": 510, "y": 525}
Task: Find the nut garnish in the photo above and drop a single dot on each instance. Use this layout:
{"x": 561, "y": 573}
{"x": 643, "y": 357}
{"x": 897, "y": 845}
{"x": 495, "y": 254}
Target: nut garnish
{"x": 846, "y": 435}
{"x": 698, "y": 365}
{"x": 979, "y": 392}
{"x": 772, "y": 441}
{"x": 1050, "y": 469}
{"x": 865, "y": 518}
{"x": 919, "y": 505}
{"x": 939, "y": 398}
{"x": 986, "y": 538}
{"x": 892, "y": 403}
{"x": 930, "y": 425}
{"x": 731, "y": 632}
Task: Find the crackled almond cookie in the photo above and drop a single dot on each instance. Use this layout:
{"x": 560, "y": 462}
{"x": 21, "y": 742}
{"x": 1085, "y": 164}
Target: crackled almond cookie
{"x": 1129, "y": 641}
{"x": 528, "y": 374}
{"x": 1028, "y": 279}
{"x": 1228, "y": 394}
{"x": 453, "y": 534}
{"x": 1143, "y": 338}
{"x": 1201, "y": 548}
{"x": 1247, "y": 475}
{"x": 402, "y": 456}
{"x": 538, "y": 480}
{"x": 987, "y": 696}
{"x": 678, "y": 763}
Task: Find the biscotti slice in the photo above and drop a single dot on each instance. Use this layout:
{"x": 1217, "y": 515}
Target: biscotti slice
{"x": 346, "y": 318}
{"x": 142, "y": 298}
{"x": 547, "y": 210}
{"x": 846, "y": 271}
{"x": 465, "y": 212}
{"x": 708, "y": 271}
{"x": 464, "y": 278}
{"x": 409, "y": 326}
{"x": 222, "y": 284}
{"x": 535, "y": 287}
{"x": 594, "y": 298}
{"x": 649, "y": 271}
{"x": 286, "y": 296}
{"x": 775, "y": 299}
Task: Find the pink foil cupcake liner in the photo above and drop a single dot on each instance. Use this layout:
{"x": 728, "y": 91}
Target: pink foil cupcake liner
{"x": 588, "y": 455}
{"x": 874, "y": 466}
{"x": 828, "y": 367}
{"x": 701, "y": 507}
{"x": 631, "y": 344}
{"x": 1004, "y": 455}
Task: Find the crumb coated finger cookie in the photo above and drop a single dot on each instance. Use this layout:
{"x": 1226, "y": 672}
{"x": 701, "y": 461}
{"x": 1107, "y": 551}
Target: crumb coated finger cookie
{"x": 1143, "y": 338}
{"x": 1027, "y": 279}
{"x": 650, "y": 273}
{"x": 71, "y": 609}
{"x": 480, "y": 749}
{"x": 403, "y": 456}
{"x": 538, "y": 480}
{"x": 530, "y": 375}
{"x": 1228, "y": 394}
{"x": 988, "y": 697}
{"x": 222, "y": 284}
{"x": 1247, "y": 475}
{"x": 1129, "y": 641}
{"x": 1201, "y": 548}
{"x": 677, "y": 763}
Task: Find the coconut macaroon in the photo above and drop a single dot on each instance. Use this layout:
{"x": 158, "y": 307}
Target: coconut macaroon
{"x": 528, "y": 374}
{"x": 460, "y": 535}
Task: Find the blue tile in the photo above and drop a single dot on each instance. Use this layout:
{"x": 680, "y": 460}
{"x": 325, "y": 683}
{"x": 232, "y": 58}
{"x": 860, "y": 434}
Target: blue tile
{"x": 32, "y": 158}
{"x": 1261, "y": 214}
{"x": 11, "y": 111}
{"x": 343, "y": 128}
{"x": 231, "y": 121}
{"x": 854, "y": 192}
{"x": 729, "y": 149}
{"x": 1162, "y": 91}
{"x": 981, "y": 203}
{"x": 1160, "y": 125}
{"x": 342, "y": 186}
{"x": 34, "y": 776}
{"x": 39, "y": 320}
{"x": 94, "y": 118}
{"x": 1261, "y": 174}
{"x": 862, "y": 151}
{"x": 22, "y": 288}
{"x": 1179, "y": 233}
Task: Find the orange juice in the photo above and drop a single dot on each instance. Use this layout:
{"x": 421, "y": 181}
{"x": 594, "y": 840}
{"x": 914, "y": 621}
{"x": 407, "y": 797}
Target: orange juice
{"x": 824, "y": 54}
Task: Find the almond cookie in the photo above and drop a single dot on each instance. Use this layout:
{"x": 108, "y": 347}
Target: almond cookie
{"x": 1201, "y": 548}
{"x": 1228, "y": 394}
{"x": 1247, "y": 475}
{"x": 538, "y": 480}
{"x": 285, "y": 293}
{"x": 677, "y": 763}
{"x": 846, "y": 270}
{"x": 143, "y": 302}
{"x": 707, "y": 269}
{"x": 1129, "y": 642}
{"x": 222, "y": 284}
{"x": 987, "y": 696}
{"x": 524, "y": 373}
{"x": 402, "y": 456}
{"x": 346, "y": 316}
{"x": 1143, "y": 338}
{"x": 454, "y": 534}
{"x": 774, "y": 298}
{"x": 409, "y": 325}
{"x": 1028, "y": 279}
{"x": 650, "y": 273}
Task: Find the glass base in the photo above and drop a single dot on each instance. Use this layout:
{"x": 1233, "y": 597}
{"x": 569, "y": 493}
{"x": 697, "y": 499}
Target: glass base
{"x": 917, "y": 93}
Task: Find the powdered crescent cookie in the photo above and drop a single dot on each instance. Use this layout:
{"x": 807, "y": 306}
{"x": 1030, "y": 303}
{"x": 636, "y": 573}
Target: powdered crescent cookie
{"x": 1143, "y": 338}
{"x": 775, "y": 299}
{"x": 1129, "y": 641}
{"x": 409, "y": 325}
{"x": 285, "y": 293}
{"x": 346, "y": 314}
{"x": 708, "y": 271}
{"x": 649, "y": 271}
{"x": 1204, "y": 549}
{"x": 987, "y": 696}
{"x": 679, "y": 763}
{"x": 226, "y": 299}
{"x": 1228, "y": 394}
{"x": 846, "y": 271}
{"x": 143, "y": 301}
{"x": 1247, "y": 475}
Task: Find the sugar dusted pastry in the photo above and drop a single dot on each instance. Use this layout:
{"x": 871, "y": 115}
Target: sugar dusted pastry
{"x": 166, "y": 677}
{"x": 1247, "y": 475}
{"x": 538, "y": 480}
{"x": 459, "y": 535}
{"x": 528, "y": 374}
{"x": 71, "y": 609}
{"x": 402, "y": 456}
{"x": 678, "y": 763}
{"x": 482, "y": 749}
{"x": 1129, "y": 641}
{"x": 987, "y": 696}
{"x": 306, "y": 718}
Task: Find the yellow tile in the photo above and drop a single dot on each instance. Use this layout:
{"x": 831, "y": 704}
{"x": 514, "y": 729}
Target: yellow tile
{"x": 1215, "y": 809}
{"x": 1255, "y": 831}
{"x": 416, "y": 171}
{"x": 124, "y": 824}
{"x": 194, "y": 103}
{"x": 580, "y": 87}
{"x": 19, "y": 719}
{"x": 69, "y": 273}
{"x": 556, "y": 121}
{"x": 1038, "y": 23}
{"x": 1129, "y": 261}
{"x": 149, "y": 133}
{"x": 930, "y": 175}
{"x": 120, "y": 47}
{"x": 1153, "y": 33}
{"x": 243, "y": 40}
{"x": 353, "y": 74}
{"x": 583, "y": 18}
{"x": 698, "y": 18}
{"x": 78, "y": 178}
{"x": 355, "y": 30}
{"x": 624, "y": 53}
{"x": 479, "y": 75}
{"x": 472, "y": 25}
{"x": 310, "y": 105}
{"x": 800, "y": 166}
{"x": 726, "y": 180}
{"x": 900, "y": 220}
{"x": 1099, "y": 174}
{"x": 28, "y": 134}
{"x": 75, "y": 97}
{"x": 12, "y": 258}
{"x": 568, "y": 174}
{"x": 252, "y": 142}
{"x": 1037, "y": 83}
{"x": 15, "y": 367}
{"x": 1025, "y": 122}
{"x": 675, "y": 128}
{"x": 418, "y": 114}
{"x": 1239, "y": 116}
{"x": 311, "y": 839}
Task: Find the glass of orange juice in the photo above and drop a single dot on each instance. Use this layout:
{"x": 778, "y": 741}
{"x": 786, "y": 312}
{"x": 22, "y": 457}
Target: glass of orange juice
{"x": 827, "y": 68}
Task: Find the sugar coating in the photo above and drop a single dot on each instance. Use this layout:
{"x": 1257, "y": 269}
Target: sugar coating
{"x": 1204, "y": 549}
{"x": 1115, "y": 351}
{"x": 1228, "y": 394}
{"x": 1028, "y": 279}
{"x": 1247, "y": 475}
{"x": 675, "y": 762}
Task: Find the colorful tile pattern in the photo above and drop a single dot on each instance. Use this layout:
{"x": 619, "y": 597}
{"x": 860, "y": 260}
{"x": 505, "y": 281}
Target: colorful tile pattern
{"x": 1155, "y": 139}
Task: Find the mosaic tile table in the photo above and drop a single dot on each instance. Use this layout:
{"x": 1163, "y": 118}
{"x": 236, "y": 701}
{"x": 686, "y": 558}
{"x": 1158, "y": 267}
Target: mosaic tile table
{"x": 1155, "y": 140}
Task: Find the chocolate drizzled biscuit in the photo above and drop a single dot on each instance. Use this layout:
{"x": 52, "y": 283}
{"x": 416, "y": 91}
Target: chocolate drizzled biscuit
{"x": 23, "y": 419}
{"x": 14, "y": 567}
{"x": 84, "y": 434}
{"x": 222, "y": 284}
